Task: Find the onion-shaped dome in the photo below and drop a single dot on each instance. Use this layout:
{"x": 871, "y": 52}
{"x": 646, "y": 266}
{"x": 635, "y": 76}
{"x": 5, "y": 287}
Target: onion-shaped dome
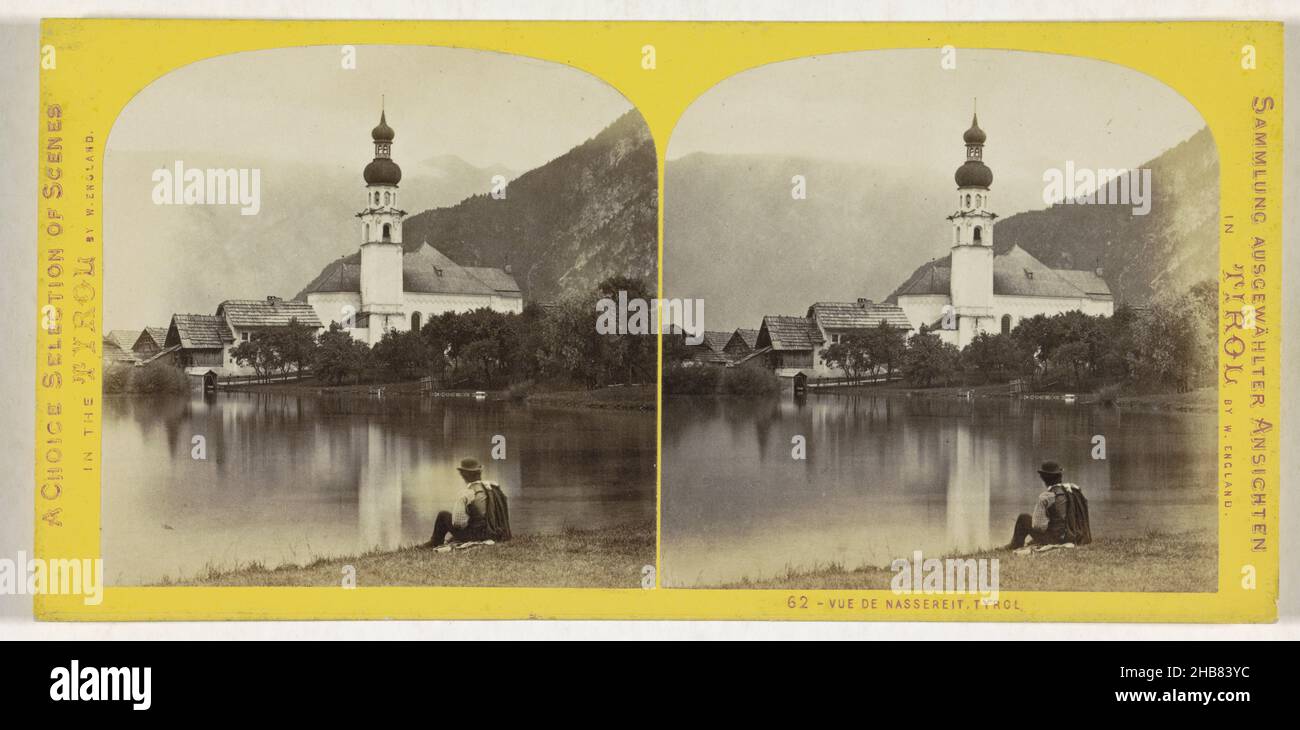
{"x": 383, "y": 132}
{"x": 382, "y": 171}
{"x": 974, "y": 135}
{"x": 973, "y": 174}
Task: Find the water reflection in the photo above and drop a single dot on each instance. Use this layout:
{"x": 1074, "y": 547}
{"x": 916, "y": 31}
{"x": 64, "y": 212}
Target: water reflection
{"x": 888, "y": 475}
{"x": 289, "y": 479}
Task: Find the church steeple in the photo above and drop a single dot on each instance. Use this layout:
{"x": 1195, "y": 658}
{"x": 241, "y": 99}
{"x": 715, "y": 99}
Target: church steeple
{"x": 381, "y": 236}
{"x": 973, "y": 221}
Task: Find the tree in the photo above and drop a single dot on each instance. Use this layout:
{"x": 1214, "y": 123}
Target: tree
{"x": 884, "y": 346}
{"x": 258, "y": 353}
{"x": 850, "y": 354}
{"x": 295, "y": 344}
{"x": 927, "y": 359}
{"x": 996, "y": 357}
{"x": 338, "y": 356}
{"x": 403, "y": 354}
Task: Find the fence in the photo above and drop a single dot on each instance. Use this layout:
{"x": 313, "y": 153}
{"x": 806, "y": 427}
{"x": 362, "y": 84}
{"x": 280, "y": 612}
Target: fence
{"x": 225, "y": 381}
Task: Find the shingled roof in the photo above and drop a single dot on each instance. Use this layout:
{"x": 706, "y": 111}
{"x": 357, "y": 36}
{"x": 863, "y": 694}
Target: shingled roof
{"x": 156, "y": 335}
{"x": 198, "y": 332}
{"x": 124, "y": 339}
{"x": 742, "y": 341}
{"x": 862, "y": 314}
{"x": 424, "y": 271}
{"x": 269, "y": 312}
{"x": 788, "y": 333}
{"x": 1015, "y": 273}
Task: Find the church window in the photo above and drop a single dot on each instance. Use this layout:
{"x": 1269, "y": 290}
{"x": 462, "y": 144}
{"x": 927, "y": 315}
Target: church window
{"x": 978, "y": 234}
{"x": 979, "y": 200}
{"x": 1006, "y": 324}
{"x": 387, "y": 233}
{"x": 967, "y": 200}
{"x": 385, "y": 198}
{"x": 365, "y": 229}
{"x": 415, "y": 321}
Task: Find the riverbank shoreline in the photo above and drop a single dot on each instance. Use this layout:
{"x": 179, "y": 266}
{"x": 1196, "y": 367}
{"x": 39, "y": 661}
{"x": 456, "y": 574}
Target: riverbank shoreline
{"x": 614, "y": 397}
{"x": 600, "y": 558}
{"x": 1201, "y": 400}
{"x": 1184, "y": 562}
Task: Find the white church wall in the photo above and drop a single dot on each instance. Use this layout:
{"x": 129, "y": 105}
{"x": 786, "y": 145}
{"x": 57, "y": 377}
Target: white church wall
{"x": 334, "y": 306}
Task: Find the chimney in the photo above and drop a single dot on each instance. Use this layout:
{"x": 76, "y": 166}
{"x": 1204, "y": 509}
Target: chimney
{"x": 273, "y": 299}
{"x": 507, "y": 269}
{"x": 864, "y": 303}
{"x": 1100, "y": 273}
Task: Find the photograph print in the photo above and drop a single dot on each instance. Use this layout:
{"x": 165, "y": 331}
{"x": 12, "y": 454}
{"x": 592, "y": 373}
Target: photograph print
{"x": 350, "y": 324}
{"x": 960, "y": 325}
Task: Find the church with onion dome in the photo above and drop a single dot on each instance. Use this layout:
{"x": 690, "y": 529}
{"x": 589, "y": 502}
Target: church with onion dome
{"x": 974, "y": 289}
{"x": 394, "y": 286}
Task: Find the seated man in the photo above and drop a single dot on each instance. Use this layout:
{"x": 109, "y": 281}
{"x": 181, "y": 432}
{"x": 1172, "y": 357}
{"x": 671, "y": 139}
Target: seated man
{"x": 1060, "y": 515}
{"x": 467, "y": 522}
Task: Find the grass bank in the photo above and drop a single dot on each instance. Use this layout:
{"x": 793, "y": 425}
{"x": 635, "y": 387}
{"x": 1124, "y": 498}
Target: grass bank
{"x": 1178, "y": 563}
{"x": 606, "y": 558}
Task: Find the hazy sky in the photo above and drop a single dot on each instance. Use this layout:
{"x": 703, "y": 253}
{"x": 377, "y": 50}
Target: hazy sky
{"x": 304, "y": 122}
{"x": 901, "y": 109}
{"x": 300, "y": 104}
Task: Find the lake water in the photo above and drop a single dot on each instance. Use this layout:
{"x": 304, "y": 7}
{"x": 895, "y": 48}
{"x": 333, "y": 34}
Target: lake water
{"x": 291, "y": 478}
{"x": 887, "y": 475}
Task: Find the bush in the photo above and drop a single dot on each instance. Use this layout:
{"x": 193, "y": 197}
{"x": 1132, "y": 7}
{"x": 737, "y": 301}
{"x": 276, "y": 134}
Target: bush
{"x": 158, "y": 378}
{"x": 691, "y": 380}
{"x": 152, "y": 379}
{"x": 749, "y": 381}
{"x": 715, "y": 380}
{"x": 520, "y": 391}
{"x": 117, "y": 378}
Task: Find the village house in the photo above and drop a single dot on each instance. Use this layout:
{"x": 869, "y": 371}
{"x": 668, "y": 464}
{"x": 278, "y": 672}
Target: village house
{"x": 149, "y": 343}
{"x": 388, "y": 288}
{"x": 202, "y": 344}
{"x": 709, "y": 351}
{"x": 742, "y": 343}
{"x": 794, "y": 345}
{"x": 973, "y": 290}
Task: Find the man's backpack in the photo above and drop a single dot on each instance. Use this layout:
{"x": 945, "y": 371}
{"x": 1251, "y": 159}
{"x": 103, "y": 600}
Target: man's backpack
{"x": 496, "y": 512}
{"x": 1077, "y": 523}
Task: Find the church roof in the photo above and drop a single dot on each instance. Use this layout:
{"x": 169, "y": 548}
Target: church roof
{"x": 858, "y": 315}
{"x": 498, "y": 279}
{"x": 424, "y": 271}
{"x": 788, "y": 333}
{"x": 269, "y": 312}
{"x": 1015, "y": 273}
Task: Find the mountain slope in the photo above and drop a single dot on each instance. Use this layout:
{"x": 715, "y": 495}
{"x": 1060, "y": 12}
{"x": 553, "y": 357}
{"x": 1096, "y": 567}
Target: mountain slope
{"x": 562, "y": 227}
{"x": 1172, "y": 247}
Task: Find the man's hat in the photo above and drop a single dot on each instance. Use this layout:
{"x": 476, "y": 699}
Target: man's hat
{"x": 1050, "y": 468}
{"x": 470, "y": 465}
